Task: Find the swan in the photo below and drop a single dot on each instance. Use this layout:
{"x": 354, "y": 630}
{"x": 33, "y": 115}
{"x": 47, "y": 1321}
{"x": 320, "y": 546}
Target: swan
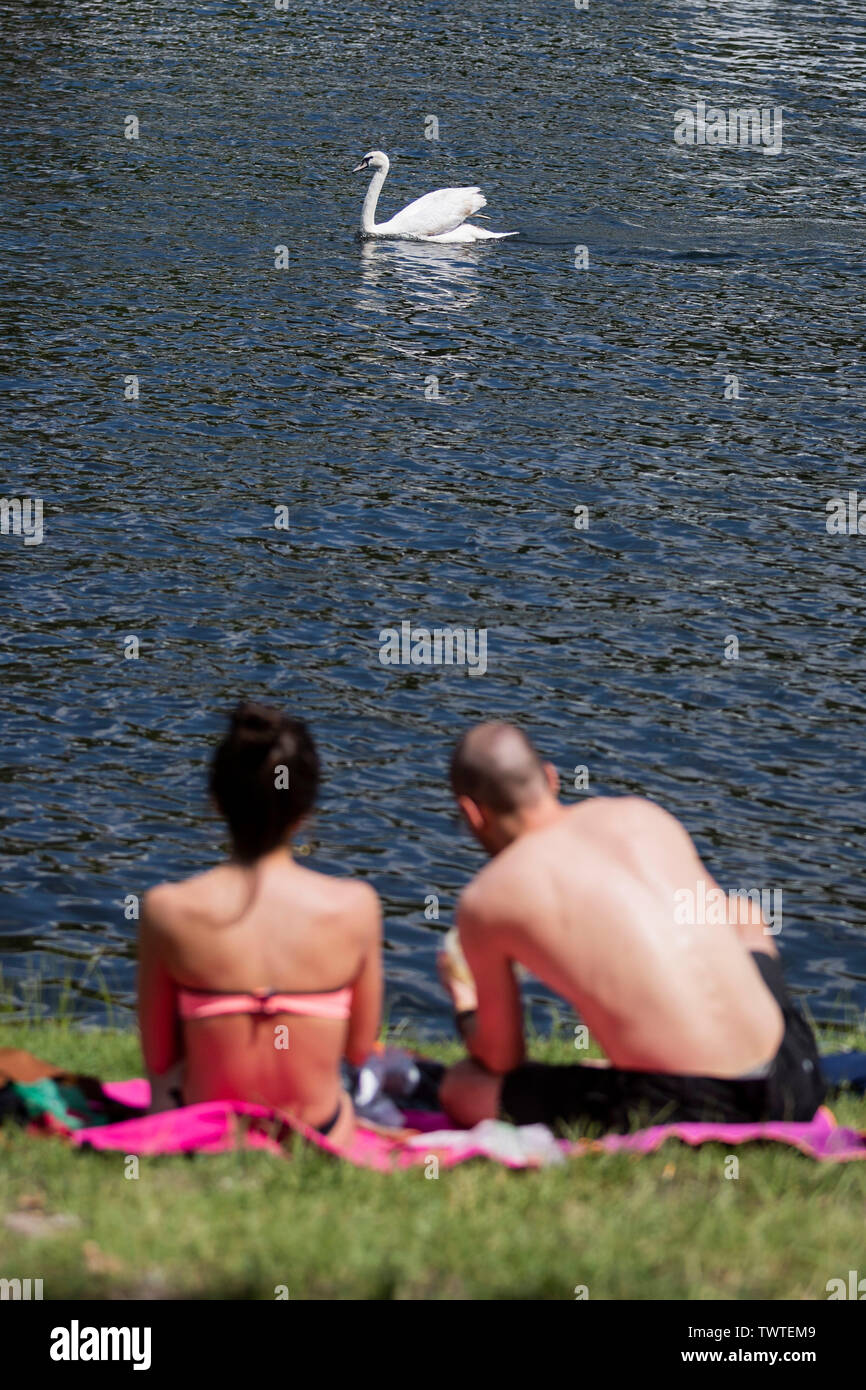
{"x": 439, "y": 216}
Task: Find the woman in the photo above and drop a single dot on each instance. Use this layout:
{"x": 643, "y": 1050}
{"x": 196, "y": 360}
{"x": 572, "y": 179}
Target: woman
{"x": 259, "y": 975}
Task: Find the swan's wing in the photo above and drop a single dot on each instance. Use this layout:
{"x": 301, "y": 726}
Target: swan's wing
{"x": 437, "y": 212}
{"x": 468, "y": 232}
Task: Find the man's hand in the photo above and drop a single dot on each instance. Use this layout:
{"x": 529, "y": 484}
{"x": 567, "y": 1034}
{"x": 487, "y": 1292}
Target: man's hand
{"x": 456, "y": 975}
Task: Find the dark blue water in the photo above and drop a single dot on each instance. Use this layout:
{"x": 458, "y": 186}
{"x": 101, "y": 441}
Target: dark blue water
{"x": 305, "y": 387}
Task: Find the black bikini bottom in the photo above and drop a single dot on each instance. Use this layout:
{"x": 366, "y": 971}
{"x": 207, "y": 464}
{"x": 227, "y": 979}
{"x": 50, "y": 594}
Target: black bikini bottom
{"x": 329, "y": 1124}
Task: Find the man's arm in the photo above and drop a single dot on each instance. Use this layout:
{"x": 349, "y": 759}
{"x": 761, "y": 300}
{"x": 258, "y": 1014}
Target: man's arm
{"x": 496, "y": 1037}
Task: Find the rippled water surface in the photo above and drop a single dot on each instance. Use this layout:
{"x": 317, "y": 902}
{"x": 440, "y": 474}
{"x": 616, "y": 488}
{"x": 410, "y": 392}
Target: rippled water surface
{"x": 309, "y": 387}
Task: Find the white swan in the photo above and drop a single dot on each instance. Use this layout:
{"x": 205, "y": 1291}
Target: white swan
{"x": 439, "y": 216}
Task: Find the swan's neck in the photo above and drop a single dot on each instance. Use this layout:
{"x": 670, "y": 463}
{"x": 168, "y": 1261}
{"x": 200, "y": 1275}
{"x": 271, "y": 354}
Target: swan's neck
{"x": 368, "y": 211}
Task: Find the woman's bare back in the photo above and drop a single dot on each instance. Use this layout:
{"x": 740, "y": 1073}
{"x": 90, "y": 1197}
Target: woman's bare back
{"x": 269, "y": 926}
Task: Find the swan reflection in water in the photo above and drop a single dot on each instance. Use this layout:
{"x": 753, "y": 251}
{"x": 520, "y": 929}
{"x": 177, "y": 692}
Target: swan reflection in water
{"x": 430, "y": 276}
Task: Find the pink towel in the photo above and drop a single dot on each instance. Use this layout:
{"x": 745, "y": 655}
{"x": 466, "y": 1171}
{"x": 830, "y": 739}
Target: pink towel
{"x": 218, "y": 1126}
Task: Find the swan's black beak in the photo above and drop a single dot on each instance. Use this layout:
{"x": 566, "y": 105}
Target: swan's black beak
{"x": 360, "y": 166}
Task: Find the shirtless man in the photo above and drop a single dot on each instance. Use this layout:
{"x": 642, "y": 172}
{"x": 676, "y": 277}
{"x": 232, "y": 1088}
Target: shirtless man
{"x": 694, "y": 1019}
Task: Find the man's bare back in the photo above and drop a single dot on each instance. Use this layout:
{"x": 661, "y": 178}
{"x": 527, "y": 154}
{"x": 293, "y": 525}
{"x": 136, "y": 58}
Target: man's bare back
{"x": 692, "y": 1013}
{"x": 587, "y": 904}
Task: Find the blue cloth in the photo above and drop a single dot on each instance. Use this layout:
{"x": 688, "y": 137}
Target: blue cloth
{"x": 845, "y": 1069}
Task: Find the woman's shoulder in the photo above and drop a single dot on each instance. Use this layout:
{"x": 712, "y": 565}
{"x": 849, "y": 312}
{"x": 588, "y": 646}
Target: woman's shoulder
{"x": 167, "y": 904}
{"x": 350, "y": 894}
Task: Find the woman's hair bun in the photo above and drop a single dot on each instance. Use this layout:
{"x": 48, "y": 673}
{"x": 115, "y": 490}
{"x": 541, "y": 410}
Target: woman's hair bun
{"x": 256, "y": 723}
{"x": 264, "y": 777}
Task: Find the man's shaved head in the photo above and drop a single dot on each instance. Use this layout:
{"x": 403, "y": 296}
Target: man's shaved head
{"x": 496, "y": 766}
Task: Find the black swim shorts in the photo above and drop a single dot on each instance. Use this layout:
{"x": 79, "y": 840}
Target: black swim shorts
{"x": 611, "y": 1098}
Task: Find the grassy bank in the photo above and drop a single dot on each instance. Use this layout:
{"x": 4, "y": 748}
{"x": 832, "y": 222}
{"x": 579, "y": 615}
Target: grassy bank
{"x": 669, "y": 1225}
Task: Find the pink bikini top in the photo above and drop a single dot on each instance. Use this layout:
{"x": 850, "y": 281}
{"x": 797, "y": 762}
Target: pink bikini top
{"x": 203, "y": 1003}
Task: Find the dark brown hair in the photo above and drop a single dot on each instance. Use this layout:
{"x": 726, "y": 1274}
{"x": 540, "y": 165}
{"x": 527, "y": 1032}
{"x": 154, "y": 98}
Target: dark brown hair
{"x": 243, "y": 777}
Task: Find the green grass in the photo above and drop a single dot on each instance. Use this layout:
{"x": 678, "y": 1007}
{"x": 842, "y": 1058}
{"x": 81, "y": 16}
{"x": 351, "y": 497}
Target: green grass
{"x": 669, "y": 1225}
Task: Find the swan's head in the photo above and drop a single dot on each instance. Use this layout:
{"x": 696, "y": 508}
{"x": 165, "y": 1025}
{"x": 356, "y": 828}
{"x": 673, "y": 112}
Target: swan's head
{"x": 373, "y": 159}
